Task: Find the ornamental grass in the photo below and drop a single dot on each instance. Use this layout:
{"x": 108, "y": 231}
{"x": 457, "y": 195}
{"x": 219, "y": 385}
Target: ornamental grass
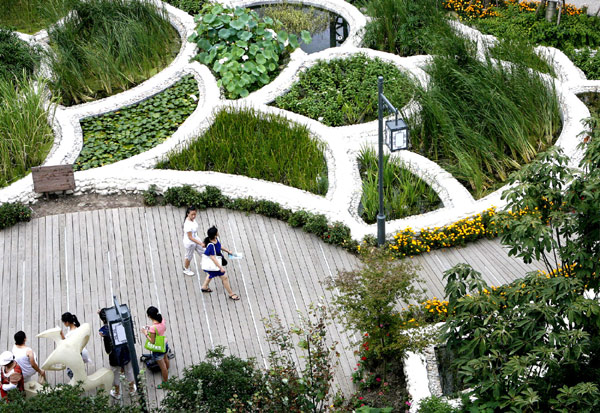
{"x": 480, "y": 120}
{"x": 264, "y": 146}
{"x": 30, "y": 16}
{"x": 108, "y": 46}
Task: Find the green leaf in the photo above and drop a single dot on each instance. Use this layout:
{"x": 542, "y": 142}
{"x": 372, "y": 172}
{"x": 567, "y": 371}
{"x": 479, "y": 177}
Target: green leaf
{"x": 305, "y": 36}
{"x": 237, "y": 24}
{"x": 244, "y": 35}
{"x": 209, "y": 18}
{"x": 225, "y": 33}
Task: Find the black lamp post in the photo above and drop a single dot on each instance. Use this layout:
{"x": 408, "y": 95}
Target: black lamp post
{"x": 396, "y": 139}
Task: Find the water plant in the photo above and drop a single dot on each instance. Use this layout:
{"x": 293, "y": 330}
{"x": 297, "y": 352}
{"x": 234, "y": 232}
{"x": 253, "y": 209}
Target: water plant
{"x": 295, "y": 18}
{"x": 25, "y": 134}
{"x": 404, "y": 193}
{"x": 30, "y": 16}
{"x": 126, "y": 132}
{"x": 481, "y": 120}
{"x": 265, "y": 146}
{"x": 344, "y": 91}
{"x": 106, "y": 46}
{"x": 18, "y": 58}
{"x": 242, "y": 49}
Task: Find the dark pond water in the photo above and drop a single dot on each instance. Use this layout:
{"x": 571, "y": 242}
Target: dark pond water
{"x": 330, "y": 34}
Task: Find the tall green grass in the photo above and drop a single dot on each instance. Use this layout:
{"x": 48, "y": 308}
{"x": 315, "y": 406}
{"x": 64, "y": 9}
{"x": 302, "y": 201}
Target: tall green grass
{"x": 521, "y": 51}
{"x": 404, "y": 193}
{"x": 30, "y": 16}
{"x": 482, "y": 121}
{"x": 107, "y": 46}
{"x": 263, "y": 146}
{"x": 17, "y": 58}
{"x": 405, "y": 27}
{"x": 25, "y": 135}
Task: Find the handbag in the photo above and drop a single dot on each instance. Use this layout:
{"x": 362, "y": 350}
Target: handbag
{"x": 223, "y": 260}
{"x": 208, "y": 264}
{"x": 159, "y": 345}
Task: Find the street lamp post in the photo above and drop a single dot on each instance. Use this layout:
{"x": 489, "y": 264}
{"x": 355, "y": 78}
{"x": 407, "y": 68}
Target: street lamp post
{"x": 396, "y": 139}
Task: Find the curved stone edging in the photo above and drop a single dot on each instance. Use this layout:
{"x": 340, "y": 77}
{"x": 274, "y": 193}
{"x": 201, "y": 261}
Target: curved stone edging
{"x": 135, "y": 174}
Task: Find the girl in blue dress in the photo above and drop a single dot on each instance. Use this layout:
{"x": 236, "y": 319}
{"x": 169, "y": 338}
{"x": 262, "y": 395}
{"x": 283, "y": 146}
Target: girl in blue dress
{"x": 213, "y": 249}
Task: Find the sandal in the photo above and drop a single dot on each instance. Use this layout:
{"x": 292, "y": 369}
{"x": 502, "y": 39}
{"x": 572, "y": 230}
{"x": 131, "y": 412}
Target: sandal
{"x": 231, "y": 297}
{"x": 206, "y": 290}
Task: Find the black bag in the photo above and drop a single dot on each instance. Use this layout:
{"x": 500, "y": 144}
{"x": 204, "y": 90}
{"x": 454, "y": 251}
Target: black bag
{"x": 223, "y": 260}
{"x": 151, "y": 363}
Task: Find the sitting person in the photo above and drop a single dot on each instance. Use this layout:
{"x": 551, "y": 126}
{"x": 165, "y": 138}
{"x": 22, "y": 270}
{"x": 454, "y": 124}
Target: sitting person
{"x": 25, "y": 357}
{"x": 11, "y": 375}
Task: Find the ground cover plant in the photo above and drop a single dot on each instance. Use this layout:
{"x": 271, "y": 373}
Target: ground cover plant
{"x": 480, "y": 120}
{"x": 192, "y": 7}
{"x": 344, "y": 91}
{"x": 405, "y": 27}
{"x": 25, "y": 134}
{"x": 12, "y": 213}
{"x": 129, "y": 131}
{"x": 30, "y": 16}
{"x": 404, "y": 193}
{"x": 107, "y": 46}
{"x": 241, "y": 48}
{"x": 264, "y": 146}
{"x": 18, "y": 58}
{"x": 514, "y": 20}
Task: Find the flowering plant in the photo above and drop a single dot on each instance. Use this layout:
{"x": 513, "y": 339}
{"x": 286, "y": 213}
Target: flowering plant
{"x": 242, "y": 49}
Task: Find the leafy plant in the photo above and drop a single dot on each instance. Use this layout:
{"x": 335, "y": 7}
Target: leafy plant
{"x": 150, "y": 196}
{"x": 316, "y": 224}
{"x": 587, "y": 59}
{"x": 592, "y": 100}
{"x": 106, "y": 46}
{"x": 405, "y": 27}
{"x": 243, "y": 50}
{"x": 18, "y": 58}
{"x": 30, "y": 16}
{"x": 12, "y": 213}
{"x": 192, "y": 7}
{"x": 434, "y": 404}
{"x": 344, "y": 91}
{"x": 127, "y": 132}
{"x": 211, "y": 385}
{"x": 404, "y": 194}
{"x": 298, "y": 218}
{"x": 481, "y": 121}
{"x": 25, "y": 134}
{"x": 264, "y": 146}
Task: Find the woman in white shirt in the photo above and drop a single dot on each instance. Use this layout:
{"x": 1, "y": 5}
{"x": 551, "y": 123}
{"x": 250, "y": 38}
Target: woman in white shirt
{"x": 26, "y": 358}
{"x": 70, "y": 321}
{"x": 190, "y": 239}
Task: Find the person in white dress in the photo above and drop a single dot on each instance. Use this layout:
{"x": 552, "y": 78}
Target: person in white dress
{"x": 190, "y": 239}
{"x": 70, "y": 321}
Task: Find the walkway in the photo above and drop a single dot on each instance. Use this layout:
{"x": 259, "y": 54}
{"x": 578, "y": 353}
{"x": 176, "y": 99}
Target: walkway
{"x": 76, "y": 262}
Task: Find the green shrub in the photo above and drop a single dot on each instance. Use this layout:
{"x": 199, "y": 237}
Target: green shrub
{"x": 212, "y": 384}
{"x": 268, "y": 209}
{"x": 242, "y": 49}
{"x": 30, "y": 16}
{"x": 405, "y": 27}
{"x": 481, "y": 121}
{"x": 18, "y": 58}
{"x": 184, "y": 196}
{"x": 298, "y": 218}
{"x": 264, "y": 146}
{"x": 192, "y": 7}
{"x": 150, "y": 196}
{"x": 344, "y": 91}
{"x": 212, "y": 197}
{"x": 64, "y": 398}
{"x": 337, "y": 234}
{"x": 434, "y": 404}
{"x": 129, "y": 131}
{"x": 404, "y": 194}
{"x": 25, "y": 134}
{"x": 316, "y": 224}
{"x": 107, "y": 46}
{"x": 12, "y": 213}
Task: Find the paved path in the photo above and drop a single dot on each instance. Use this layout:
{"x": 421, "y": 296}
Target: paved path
{"x": 75, "y": 262}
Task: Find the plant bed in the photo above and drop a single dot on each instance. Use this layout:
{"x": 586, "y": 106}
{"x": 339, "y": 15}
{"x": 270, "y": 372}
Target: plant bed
{"x": 592, "y": 100}
{"x": 481, "y": 121}
{"x": 344, "y": 91}
{"x": 404, "y": 194}
{"x": 296, "y": 18}
{"x": 25, "y": 134}
{"x": 244, "y": 51}
{"x": 107, "y": 46}
{"x": 18, "y": 58}
{"x": 31, "y": 16}
{"x": 256, "y": 145}
{"x": 127, "y": 132}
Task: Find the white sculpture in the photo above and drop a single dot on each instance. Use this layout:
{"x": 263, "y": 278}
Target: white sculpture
{"x": 68, "y": 354}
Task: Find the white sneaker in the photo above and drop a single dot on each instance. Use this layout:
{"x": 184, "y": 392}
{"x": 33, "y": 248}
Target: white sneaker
{"x": 114, "y": 394}
{"x": 187, "y": 271}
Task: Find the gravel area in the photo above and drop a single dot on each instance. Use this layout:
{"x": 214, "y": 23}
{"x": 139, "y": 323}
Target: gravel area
{"x": 62, "y": 204}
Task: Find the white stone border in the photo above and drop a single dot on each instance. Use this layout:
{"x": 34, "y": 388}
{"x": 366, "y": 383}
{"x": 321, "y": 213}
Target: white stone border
{"x": 135, "y": 174}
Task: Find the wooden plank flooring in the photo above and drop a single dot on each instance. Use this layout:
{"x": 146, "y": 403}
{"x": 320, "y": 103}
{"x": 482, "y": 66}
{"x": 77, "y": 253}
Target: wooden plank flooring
{"x": 76, "y": 262}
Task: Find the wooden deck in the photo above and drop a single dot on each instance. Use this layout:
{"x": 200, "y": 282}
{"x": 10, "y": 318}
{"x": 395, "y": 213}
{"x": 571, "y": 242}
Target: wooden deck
{"x": 76, "y": 262}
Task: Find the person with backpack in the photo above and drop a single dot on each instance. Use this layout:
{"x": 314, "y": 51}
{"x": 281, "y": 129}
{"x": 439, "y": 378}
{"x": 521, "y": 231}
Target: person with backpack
{"x": 118, "y": 358}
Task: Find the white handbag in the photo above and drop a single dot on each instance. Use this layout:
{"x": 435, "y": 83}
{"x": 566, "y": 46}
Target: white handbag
{"x": 208, "y": 264}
